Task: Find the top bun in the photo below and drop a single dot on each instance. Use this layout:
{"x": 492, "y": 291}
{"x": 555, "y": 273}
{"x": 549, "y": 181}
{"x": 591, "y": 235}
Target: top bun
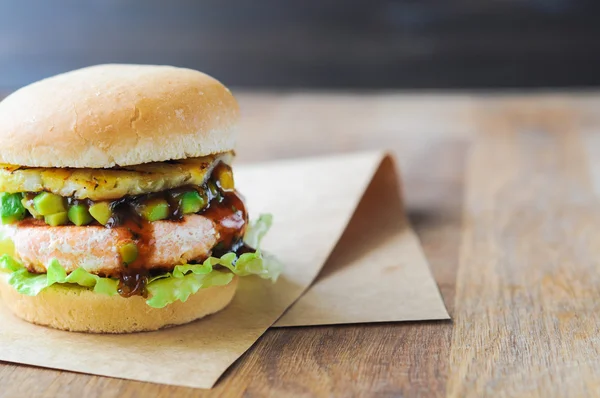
{"x": 117, "y": 115}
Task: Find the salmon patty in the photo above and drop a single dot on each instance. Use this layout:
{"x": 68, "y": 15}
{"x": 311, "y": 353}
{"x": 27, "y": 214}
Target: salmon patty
{"x": 95, "y": 248}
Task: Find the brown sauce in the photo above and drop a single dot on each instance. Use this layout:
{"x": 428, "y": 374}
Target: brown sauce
{"x": 229, "y": 216}
{"x": 133, "y": 283}
{"x": 134, "y": 277}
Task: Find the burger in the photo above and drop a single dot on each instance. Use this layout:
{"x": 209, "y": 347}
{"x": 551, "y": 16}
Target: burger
{"x": 118, "y": 205}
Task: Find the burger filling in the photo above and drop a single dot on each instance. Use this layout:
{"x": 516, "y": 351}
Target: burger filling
{"x": 161, "y": 230}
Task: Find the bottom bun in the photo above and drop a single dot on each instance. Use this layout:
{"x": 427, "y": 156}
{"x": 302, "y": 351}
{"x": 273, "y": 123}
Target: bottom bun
{"x": 79, "y": 309}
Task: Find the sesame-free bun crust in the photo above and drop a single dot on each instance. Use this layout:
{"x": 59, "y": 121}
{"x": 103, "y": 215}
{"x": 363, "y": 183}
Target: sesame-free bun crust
{"x": 79, "y": 309}
{"x": 109, "y": 115}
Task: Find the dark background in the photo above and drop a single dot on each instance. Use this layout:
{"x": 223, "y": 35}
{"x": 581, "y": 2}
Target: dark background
{"x": 312, "y": 44}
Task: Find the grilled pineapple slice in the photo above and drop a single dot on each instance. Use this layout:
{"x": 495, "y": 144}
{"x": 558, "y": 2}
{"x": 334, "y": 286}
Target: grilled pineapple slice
{"x": 114, "y": 183}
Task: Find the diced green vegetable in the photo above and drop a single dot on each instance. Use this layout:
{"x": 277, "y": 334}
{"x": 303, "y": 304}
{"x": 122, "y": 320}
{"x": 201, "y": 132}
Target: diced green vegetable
{"x": 154, "y": 209}
{"x": 57, "y": 219}
{"x": 47, "y": 203}
{"x": 11, "y": 208}
{"x": 191, "y": 202}
{"x": 128, "y": 252}
{"x": 79, "y": 214}
{"x": 101, "y": 212}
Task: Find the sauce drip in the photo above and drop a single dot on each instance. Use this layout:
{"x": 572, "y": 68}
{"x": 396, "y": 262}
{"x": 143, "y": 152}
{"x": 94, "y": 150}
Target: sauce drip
{"x": 228, "y": 213}
{"x": 133, "y": 283}
{"x": 131, "y": 226}
{"x": 230, "y": 218}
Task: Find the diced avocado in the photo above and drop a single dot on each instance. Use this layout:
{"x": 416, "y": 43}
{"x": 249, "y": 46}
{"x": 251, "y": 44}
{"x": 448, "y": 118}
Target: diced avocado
{"x": 28, "y": 204}
{"x": 224, "y": 177}
{"x": 191, "y": 202}
{"x": 154, "y": 209}
{"x": 47, "y": 203}
{"x": 101, "y": 212}
{"x": 79, "y": 214}
{"x": 128, "y": 252}
{"x": 11, "y": 208}
{"x": 57, "y": 219}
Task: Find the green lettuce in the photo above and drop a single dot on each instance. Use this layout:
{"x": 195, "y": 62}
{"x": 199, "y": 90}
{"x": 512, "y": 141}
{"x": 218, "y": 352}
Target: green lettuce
{"x": 31, "y": 284}
{"x": 164, "y": 289}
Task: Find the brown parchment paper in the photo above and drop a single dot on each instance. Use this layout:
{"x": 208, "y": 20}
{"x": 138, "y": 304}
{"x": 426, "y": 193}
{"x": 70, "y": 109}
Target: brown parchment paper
{"x": 312, "y": 201}
{"x": 377, "y": 271}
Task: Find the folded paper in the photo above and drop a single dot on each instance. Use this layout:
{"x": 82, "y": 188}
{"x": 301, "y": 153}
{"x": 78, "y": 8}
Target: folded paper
{"x": 377, "y": 271}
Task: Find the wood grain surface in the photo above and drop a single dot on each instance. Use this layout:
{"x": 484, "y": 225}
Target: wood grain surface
{"x": 500, "y": 189}
{"x": 526, "y": 315}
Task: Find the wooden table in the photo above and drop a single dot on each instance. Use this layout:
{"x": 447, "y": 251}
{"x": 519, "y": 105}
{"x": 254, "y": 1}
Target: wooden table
{"x": 502, "y": 190}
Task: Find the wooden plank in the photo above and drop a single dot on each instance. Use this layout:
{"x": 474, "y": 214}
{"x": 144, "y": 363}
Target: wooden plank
{"x": 526, "y": 312}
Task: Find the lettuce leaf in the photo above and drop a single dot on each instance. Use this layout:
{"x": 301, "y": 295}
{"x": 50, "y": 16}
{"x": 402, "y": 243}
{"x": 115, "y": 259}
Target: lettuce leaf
{"x": 257, "y": 230}
{"x": 31, "y": 284}
{"x": 168, "y": 290}
{"x": 164, "y": 289}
